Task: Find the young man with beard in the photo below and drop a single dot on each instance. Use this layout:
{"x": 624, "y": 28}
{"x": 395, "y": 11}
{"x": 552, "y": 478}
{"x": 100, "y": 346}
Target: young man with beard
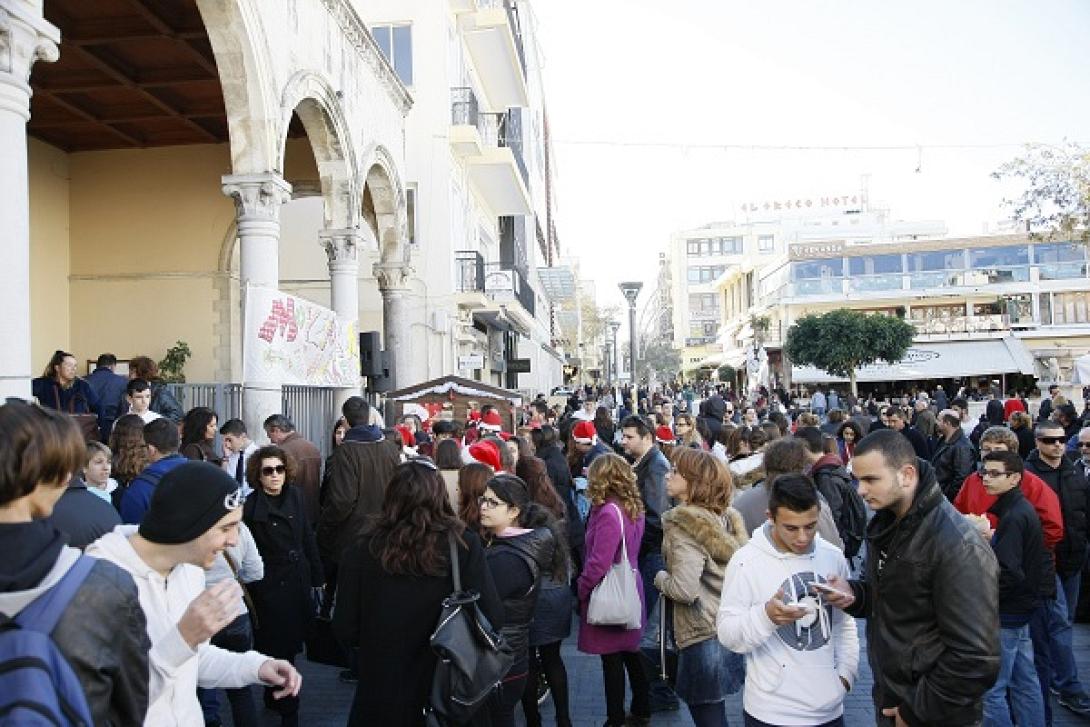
{"x": 929, "y": 594}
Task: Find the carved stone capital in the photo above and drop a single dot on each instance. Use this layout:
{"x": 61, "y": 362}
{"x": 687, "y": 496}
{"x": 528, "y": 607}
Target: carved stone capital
{"x": 257, "y": 197}
{"x": 341, "y": 246}
{"x": 393, "y": 276}
{"x": 25, "y": 37}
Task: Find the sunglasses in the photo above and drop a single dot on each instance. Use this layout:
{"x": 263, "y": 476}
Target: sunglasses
{"x": 270, "y": 471}
{"x": 487, "y": 503}
{"x": 1084, "y": 445}
{"x": 1052, "y": 440}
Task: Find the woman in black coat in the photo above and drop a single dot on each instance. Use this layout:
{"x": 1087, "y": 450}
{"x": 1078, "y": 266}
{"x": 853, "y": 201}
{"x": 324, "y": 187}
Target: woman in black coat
{"x": 390, "y": 591}
{"x": 284, "y": 599}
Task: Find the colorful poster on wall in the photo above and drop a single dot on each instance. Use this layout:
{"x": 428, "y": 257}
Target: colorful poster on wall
{"x": 291, "y": 340}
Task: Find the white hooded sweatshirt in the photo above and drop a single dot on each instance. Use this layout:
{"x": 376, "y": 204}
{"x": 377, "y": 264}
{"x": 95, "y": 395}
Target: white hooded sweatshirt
{"x": 792, "y": 672}
{"x": 176, "y": 669}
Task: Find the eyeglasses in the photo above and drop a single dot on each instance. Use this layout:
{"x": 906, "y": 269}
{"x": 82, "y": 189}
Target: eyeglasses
{"x": 487, "y": 503}
{"x": 423, "y": 462}
{"x": 1051, "y": 440}
{"x": 270, "y": 471}
{"x": 993, "y": 474}
{"x": 1084, "y": 445}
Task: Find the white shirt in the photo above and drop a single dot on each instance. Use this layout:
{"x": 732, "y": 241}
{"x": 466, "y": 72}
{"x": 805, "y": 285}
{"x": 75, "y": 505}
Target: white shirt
{"x": 176, "y": 670}
{"x": 231, "y": 462}
{"x": 148, "y": 417}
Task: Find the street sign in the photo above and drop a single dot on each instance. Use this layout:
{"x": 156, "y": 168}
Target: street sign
{"x": 518, "y": 366}
{"x": 471, "y": 362}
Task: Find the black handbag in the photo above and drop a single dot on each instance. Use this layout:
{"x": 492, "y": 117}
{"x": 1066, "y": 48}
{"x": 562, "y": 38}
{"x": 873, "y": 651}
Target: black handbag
{"x": 473, "y": 658}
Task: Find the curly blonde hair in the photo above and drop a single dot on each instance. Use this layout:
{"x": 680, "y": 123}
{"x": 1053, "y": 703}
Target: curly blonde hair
{"x": 611, "y": 477}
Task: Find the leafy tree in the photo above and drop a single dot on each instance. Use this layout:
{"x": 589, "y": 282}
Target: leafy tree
{"x": 842, "y": 340}
{"x": 661, "y": 358}
{"x": 726, "y": 372}
{"x": 171, "y": 368}
{"x": 1056, "y": 199}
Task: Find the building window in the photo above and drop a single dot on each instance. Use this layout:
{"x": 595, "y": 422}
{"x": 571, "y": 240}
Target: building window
{"x": 702, "y": 303}
{"x": 816, "y": 269}
{"x": 410, "y": 212}
{"x": 999, "y": 257}
{"x": 1070, "y": 308}
{"x": 693, "y": 247}
{"x": 396, "y": 43}
{"x": 765, "y": 244}
{"x": 1060, "y": 260}
{"x": 875, "y": 265}
{"x": 705, "y": 273}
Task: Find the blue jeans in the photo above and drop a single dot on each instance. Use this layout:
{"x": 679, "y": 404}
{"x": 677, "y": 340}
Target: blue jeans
{"x": 1071, "y": 586}
{"x": 712, "y": 714}
{"x": 1017, "y": 673}
{"x": 1065, "y": 674}
{"x": 1042, "y": 656}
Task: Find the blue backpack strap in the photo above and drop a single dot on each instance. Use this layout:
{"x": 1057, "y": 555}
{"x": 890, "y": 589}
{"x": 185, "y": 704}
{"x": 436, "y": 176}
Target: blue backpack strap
{"x": 43, "y": 613}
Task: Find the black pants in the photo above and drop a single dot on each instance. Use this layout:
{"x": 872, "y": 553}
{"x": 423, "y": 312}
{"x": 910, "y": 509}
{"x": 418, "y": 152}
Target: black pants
{"x": 501, "y": 708}
{"x": 546, "y": 660}
{"x": 614, "y": 667}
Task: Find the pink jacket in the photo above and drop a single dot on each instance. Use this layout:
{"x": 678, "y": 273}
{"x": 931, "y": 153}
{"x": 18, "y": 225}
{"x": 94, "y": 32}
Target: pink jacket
{"x": 603, "y": 549}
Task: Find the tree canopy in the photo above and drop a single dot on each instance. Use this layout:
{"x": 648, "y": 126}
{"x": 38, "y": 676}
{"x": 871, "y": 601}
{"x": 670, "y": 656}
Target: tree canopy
{"x": 1056, "y": 198}
{"x": 842, "y": 340}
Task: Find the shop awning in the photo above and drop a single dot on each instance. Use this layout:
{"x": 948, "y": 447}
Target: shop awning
{"x": 942, "y": 360}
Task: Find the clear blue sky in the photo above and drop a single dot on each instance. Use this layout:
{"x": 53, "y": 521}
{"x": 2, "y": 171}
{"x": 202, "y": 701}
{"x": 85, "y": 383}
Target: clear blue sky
{"x": 845, "y": 73}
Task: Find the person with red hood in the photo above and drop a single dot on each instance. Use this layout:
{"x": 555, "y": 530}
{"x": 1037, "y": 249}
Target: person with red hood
{"x": 973, "y": 499}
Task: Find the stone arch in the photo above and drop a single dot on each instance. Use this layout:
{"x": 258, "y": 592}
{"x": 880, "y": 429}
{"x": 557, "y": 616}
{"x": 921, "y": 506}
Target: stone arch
{"x": 384, "y": 197}
{"x": 319, "y": 108}
{"x": 242, "y": 64}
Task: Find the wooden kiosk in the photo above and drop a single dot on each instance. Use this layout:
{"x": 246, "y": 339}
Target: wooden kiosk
{"x": 460, "y": 394}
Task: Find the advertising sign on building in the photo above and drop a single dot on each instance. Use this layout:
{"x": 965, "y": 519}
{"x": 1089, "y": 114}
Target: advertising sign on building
{"x": 471, "y": 362}
{"x": 290, "y": 340}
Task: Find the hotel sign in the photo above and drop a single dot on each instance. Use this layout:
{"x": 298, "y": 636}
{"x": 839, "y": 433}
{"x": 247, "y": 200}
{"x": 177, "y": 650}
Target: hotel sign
{"x": 808, "y": 250}
{"x": 841, "y": 202}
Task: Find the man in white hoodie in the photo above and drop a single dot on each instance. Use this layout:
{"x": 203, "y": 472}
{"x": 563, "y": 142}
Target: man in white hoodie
{"x": 193, "y": 516}
{"x": 802, "y": 655}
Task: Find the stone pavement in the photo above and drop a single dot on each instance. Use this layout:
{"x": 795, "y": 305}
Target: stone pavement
{"x": 325, "y": 700}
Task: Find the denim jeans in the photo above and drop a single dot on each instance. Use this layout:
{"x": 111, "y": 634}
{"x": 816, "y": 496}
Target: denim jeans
{"x": 712, "y": 714}
{"x": 1017, "y": 673}
{"x": 1042, "y": 656}
{"x": 1071, "y": 586}
{"x": 752, "y": 721}
{"x": 1065, "y": 674}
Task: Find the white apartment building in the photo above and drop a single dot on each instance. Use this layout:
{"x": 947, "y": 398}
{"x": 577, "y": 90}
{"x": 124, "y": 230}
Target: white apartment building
{"x": 479, "y": 179}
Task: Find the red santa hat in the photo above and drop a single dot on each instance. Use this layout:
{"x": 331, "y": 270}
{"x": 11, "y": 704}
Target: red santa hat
{"x": 665, "y": 435}
{"x": 584, "y": 433}
{"x": 491, "y": 421}
{"x": 486, "y": 453}
{"x": 407, "y": 437}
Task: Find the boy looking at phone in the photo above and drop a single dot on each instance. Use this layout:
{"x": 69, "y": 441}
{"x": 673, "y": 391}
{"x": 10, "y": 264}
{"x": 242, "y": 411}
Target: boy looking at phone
{"x": 802, "y": 655}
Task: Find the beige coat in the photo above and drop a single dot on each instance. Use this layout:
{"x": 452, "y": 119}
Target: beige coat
{"x": 697, "y": 545}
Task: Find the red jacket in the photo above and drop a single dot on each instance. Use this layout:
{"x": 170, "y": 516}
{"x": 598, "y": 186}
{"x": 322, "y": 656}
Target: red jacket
{"x": 975, "y": 500}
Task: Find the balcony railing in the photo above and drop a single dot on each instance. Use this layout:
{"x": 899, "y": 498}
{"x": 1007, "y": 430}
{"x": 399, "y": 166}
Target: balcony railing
{"x": 927, "y": 279}
{"x": 516, "y": 286}
{"x": 464, "y": 109}
{"x": 962, "y": 324}
{"x": 469, "y": 271}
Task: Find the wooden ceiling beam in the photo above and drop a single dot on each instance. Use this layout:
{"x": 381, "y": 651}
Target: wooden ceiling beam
{"x": 88, "y": 116}
{"x": 124, "y": 76}
{"x": 166, "y": 28}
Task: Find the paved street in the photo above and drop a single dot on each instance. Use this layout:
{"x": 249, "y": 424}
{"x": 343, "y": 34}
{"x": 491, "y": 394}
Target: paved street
{"x": 326, "y": 700}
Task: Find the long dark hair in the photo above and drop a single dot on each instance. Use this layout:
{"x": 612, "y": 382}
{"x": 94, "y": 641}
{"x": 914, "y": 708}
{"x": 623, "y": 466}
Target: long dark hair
{"x": 194, "y": 424}
{"x": 513, "y": 491}
{"x": 409, "y": 537}
{"x": 536, "y": 476}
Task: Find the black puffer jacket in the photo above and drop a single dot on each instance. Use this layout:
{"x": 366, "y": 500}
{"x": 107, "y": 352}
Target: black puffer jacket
{"x": 1070, "y": 487}
{"x": 953, "y": 462}
{"x": 930, "y": 598}
{"x": 535, "y": 549}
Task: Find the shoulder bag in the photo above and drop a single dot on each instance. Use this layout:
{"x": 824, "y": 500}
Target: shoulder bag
{"x": 473, "y": 658}
{"x": 87, "y": 423}
{"x": 615, "y": 601}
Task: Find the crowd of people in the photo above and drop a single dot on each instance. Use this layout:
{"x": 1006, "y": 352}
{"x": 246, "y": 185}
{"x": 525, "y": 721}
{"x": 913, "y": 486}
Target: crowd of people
{"x": 701, "y": 545}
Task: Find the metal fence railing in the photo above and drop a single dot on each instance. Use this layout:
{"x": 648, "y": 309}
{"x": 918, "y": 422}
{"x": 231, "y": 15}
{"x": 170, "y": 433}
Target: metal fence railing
{"x": 224, "y": 399}
{"x": 311, "y": 409}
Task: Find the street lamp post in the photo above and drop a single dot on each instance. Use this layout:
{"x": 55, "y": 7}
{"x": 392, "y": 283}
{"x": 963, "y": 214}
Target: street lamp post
{"x": 631, "y": 290}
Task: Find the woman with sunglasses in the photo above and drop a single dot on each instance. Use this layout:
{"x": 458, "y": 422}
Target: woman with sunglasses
{"x": 392, "y": 583}
{"x": 284, "y": 599}
{"x": 687, "y": 434}
{"x": 522, "y": 538}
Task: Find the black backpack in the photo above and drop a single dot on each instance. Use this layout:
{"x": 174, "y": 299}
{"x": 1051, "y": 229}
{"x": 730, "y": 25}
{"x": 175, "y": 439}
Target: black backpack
{"x": 853, "y": 520}
{"x": 473, "y": 658}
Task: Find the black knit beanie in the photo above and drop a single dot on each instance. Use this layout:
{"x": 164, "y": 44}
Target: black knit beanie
{"x": 189, "y": 500}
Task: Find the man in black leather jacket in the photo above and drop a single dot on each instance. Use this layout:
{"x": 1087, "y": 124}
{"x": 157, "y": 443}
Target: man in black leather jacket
{"x": 930, "y": 594}
{"x": 953, "y": 459}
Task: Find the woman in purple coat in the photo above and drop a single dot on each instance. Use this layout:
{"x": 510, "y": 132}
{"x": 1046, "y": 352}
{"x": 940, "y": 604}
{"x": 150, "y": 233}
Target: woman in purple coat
{"x": 617, "y": 509}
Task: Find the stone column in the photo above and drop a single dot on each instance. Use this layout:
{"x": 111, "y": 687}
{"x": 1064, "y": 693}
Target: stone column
{"x": 393, "y": 283}
{"x": 342, "y": 247}
{"x": 25, "y": 37}
{"x": 258, "y": 198}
